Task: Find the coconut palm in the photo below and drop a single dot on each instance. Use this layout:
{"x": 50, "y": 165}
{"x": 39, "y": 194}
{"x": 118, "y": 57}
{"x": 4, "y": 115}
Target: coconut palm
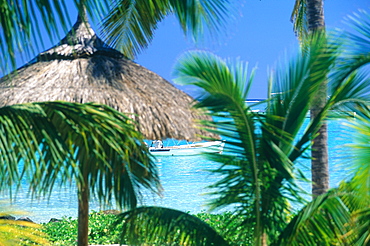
{"x": 257, "y": 166}
{"x": 257, "y": 172}
{"x": 138, "y": 20}
{"x": 340, "y": 217}
{"x": 268, "y": 145}
{"x": 90, "y": 145}
{"x": 308, "y": 18}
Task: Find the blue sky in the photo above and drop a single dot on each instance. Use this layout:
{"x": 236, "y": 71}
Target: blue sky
{"x": 259, "y": 33}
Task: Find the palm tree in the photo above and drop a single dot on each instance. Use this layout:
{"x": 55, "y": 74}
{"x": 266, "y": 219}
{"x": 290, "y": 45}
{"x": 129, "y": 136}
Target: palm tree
{"x": 308, "y": 17}
{"x": 341, "y": 216}
{"x": 257, "y": 172}
{"x": 91, "y": 145}
{"x": 257, "y": 167}
{"x": 268, "y": 145}
{"x": 132, "y": 24}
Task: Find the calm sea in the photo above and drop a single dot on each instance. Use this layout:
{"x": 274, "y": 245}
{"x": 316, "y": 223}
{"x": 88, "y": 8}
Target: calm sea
{"x": 184, "y": 180}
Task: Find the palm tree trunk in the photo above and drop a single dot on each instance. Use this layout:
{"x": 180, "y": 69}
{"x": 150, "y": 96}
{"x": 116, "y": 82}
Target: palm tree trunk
{"x": 315, "y": 15}
{"x": 264, "y": 239}
{"x": 319, "y": 162}
{"x": 83, "y": 212}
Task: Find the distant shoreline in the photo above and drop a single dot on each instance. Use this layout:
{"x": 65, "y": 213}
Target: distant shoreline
{"x": 255, "y": 99}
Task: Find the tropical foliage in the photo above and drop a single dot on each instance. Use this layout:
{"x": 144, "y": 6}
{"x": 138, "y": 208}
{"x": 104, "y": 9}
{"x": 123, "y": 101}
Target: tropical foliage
{"x": 257, "y": 171}
{"x": 342, "y": 215}
{"x": 63, "y": 232}
{"x": 89, "y": 145}
{"x": 308, "y": 18}
{"x": 130, "y": 24}
{"x": 22, "y": 23}
{"x": 93, "y": 145}
{"x": 104, "y": 231}
{"x": 54, "y": 139}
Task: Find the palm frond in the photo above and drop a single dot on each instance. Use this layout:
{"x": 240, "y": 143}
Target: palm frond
{"x": 260, "y": 149}
{"x": 323, "y": 221}
{"x": 355, "y": 49}
{"x": 352, "y": 94}
{"x": 299, "y": 19}
{"x": 295, "y": 89}
{"x": 360, "y": 24}
{"x": 57, "y": 141}
{"x": 116, "y": 158}
{"x": 358, "y": 189}
{"x": 22, "y": 22}
{"x": 25, "y": 134}
{"x": 130, "y": 25}
{"x": 341, "y": 216}
{"x": 256, "y": 174}
{"x": 166, "y": 226}
{"x": 361, "y": 150}
{"x": 349, "y": 82}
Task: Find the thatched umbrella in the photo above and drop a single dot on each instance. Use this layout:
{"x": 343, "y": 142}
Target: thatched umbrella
{"x": 82, "y": 68}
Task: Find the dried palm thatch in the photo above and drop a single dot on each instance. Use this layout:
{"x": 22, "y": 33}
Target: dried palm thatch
{"x": 82, "y": 68}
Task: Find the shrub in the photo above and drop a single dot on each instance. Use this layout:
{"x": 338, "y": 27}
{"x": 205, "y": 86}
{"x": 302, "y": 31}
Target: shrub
{"x": 101, "y": 229}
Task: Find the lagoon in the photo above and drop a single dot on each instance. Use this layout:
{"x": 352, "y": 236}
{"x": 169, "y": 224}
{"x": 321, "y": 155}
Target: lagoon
{"x": 184, "y": 180}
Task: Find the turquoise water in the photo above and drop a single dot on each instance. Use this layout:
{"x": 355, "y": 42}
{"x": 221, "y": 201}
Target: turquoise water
{"x": 184, "y": 180}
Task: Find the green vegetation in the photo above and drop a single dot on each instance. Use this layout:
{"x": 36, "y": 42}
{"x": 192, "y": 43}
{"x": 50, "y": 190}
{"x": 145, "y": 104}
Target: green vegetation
{"x": 257, "y": 168}
{"x": 229, "y": 226}
{"x": 92, "y": 145}
{"x": 103, "y": 229}
{"x": 99, "y": 149}
{"x": 61, "y": 143}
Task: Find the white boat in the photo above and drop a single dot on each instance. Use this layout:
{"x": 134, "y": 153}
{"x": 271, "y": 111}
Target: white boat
{"x": 158, "y": 149}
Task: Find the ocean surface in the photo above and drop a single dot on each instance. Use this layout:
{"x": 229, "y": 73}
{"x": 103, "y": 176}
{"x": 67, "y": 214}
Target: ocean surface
{"x": 184, "y": 180}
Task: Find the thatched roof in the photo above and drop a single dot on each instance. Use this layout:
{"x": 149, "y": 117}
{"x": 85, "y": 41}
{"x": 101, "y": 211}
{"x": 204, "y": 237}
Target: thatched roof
{"x": 82, "y": 68}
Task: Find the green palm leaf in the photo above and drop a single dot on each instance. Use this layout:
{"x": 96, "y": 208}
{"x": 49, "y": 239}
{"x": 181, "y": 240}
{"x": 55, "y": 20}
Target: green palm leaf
{"x": 28, "y": 137}
{"x": 105, "y": 144}
{"x": 357, "y": 198}
{"x": 299, "y": 19}
{"x": 130, "y": 25}
{"x": 340, "y": 217}
{"x": 349, "y": 83}
{"x": 257, "y": 165}
{"x": 226, "y": 88}
{"x": 322, "y": 222}
{"x": 54, "y": 140}
{"x": 90, "y": 145}
{"x": 21, "y": 23}
{"x": 166, "y": 226}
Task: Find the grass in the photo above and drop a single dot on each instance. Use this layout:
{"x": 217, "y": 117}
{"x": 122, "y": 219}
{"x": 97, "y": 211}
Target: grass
{"x": 102, "y": 230}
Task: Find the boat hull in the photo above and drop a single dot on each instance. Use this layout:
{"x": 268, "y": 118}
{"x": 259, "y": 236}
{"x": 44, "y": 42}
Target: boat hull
{"x": 189, "y": 149}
